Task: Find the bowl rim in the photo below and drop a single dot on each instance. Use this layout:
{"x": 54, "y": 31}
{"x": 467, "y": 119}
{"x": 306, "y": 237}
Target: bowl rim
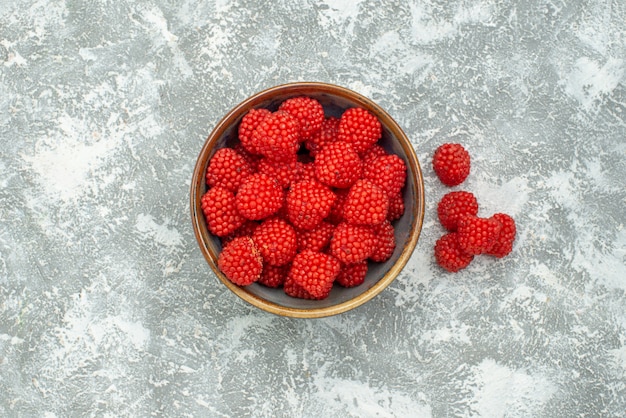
{"x": 210, "y": 252}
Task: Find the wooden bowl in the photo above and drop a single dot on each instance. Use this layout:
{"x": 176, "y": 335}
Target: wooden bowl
{"x": 335, "y": 100}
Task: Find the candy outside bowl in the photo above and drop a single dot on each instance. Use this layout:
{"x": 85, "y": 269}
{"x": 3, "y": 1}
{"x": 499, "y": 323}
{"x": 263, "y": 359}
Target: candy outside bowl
{"x": 335, "y": 100}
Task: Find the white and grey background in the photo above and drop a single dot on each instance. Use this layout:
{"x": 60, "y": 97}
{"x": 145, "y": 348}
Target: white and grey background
{"x": 107, "y": 307}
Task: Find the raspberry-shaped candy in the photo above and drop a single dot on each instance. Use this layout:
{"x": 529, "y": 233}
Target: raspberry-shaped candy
{"x": 286, "y": 172}
{"x": 307, "y": 111}
{"x": 360, "y": 128}
{"x": 385, "y": 242}
{"x": 294, "y": 290}
{"x": 251, "y": 159}
{"x": 366, "y": 204}
{"x": 314, "y": 272}
{"x": 306, "y": 171}
{"x": 248, "y": 124}
{"x": 396, "y": 207}
{"x": 277, "y": 136}
{"x": 259, "y": 196}
{"x": 453, "y": 206}
{"x": 336, "y": 212}
{"x": 338, "y": 165}
{"x": 274, "y": 276}
{"x": 387, "y": 172}
{"x": 327, "y": 134}
{"x": 477, "y": 235}
{"x": 451, "y": 163}
{"x": 352, "y": 243}
{"x": 220, "y": 211}
{"x": 371, "y": 154}
{"x": 352, "y": 275}
{"x": 316, "y": 239}
{"x": 308, "y": 203}
{"x": 245, "y": 230}
{"x": 227, "y": 168}
{"x": 449, "y": 254}
{"x": 504, "y": 243}
{"x": 276, "y": 241}
{"x": 240, "y": 261}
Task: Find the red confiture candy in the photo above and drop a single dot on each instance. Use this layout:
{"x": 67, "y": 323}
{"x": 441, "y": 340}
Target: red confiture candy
{"x": 305, "y": 200}
{"x": 451, "y": 162}
{"x": 470, "y": 234}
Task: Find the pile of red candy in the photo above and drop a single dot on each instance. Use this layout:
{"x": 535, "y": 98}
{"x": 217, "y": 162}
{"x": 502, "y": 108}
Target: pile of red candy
{"x": 304, "y": 201}
{"x": 468, "y": 234}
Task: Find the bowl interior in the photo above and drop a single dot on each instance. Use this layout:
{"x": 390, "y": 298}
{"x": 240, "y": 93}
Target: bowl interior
{"x": 335, "y": 101}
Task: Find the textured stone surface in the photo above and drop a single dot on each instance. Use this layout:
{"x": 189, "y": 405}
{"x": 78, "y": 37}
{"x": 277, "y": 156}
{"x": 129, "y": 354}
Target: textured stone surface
{"x": 107, "y": 307}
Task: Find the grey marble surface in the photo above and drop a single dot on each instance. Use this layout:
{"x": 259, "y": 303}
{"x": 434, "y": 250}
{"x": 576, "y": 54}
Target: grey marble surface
{"x": 107, "y": 307}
